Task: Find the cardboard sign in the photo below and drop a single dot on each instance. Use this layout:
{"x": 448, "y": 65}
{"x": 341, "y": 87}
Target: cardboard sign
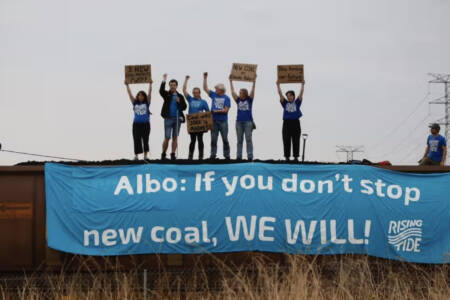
{"x": 138, "y": 74}
{"x": 243, "y": 72}
{"x": 290, "y": 73}
{"x": 199, "y": 122}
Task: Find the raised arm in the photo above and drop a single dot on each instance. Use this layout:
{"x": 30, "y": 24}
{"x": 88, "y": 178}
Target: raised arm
{"x": 162, "y": 88}
{"x": 280, "y": 92}
{"x": 205, "y": 83}
{"x": 302, "y": 89}
{"x": 149, "y": 95}
{"x": 233, "y": 92}
{"x": 252, "y": 92}
{"x": 130, "y": 95}
{"x": 185, "y": 92}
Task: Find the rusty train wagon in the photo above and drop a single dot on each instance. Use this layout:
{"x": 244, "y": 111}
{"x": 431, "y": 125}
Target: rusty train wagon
{"x": 23, "y": 244}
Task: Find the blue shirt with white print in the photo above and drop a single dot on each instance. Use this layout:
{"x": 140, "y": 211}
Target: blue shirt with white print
{"x": 196, "y": 105}
{"x": 141, "y": 111}
{"x": 291, "y": 110}
{"x": 219, "y": 102}
{"x": 436, "y": 144}
{"x": 244, "y": 112}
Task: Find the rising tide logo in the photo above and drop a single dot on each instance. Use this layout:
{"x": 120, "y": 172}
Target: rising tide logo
{"x": 405, "y": 235}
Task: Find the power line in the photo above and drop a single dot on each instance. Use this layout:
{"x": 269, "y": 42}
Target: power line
{"x": 408, "y": 136}
{"x": 437, "y": 78}
{"x": 445, "y": 99}
{"x": 411, "y": 152}
{"x": 39, "y": 155}
{"x": 416, "y": 107}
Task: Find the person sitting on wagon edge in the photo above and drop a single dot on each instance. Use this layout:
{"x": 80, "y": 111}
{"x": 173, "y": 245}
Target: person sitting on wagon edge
{"x": 436, "y": 151}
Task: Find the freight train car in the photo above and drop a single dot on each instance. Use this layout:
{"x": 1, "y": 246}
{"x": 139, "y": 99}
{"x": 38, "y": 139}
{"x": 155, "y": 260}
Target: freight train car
{"x": 23, "y": 227}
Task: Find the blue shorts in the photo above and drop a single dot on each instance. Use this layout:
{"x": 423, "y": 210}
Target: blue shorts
{"x": 171, "y": 127}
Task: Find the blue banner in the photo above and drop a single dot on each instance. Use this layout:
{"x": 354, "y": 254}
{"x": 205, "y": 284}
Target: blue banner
{"x": 308, "y": 209}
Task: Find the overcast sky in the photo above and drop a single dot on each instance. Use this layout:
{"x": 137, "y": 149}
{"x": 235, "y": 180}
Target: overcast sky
{"x": 366, "y": 64}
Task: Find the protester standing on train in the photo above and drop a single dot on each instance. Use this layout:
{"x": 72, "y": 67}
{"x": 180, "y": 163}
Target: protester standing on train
{"x": 141, "y": 122}
{"x": 220, "y": 106}
{"x": 244, "y": 120}
{"x": 172, "y": 112}
{"x": 291, "y": 121}
{"x": 196, "y": 104}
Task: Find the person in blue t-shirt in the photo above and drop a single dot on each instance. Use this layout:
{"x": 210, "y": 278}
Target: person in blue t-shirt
{"x": 436, "y": 151}
{"x": 220, "y": 106}
{"x": 244, "y": 120}
{"x": 196, "y": 104}
{"x": 141, "y": 123}
{"x": 291, "y": 121}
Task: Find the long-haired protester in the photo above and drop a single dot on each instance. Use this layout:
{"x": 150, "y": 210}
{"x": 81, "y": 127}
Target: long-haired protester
{"x": 220, "y": 106}
{"x": 196, "y": 104}
{"x": 291, "y": 121}
{"x": 244, "y": 120}
{"x": 172, "y": 112}
{"x": 141, "y": 122}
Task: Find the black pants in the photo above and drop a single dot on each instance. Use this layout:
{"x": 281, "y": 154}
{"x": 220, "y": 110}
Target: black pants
{"x": 201, "y": 146}
{"x": 141, "y": 133}
{"x": 291, "y": 135}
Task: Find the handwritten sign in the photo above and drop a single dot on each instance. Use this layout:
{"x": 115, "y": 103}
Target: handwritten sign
{"x": 199, "y": 122}
{"x": 138, "y": 73}
{"x": 290, "y": 73}
{"x": 243, "y": 72}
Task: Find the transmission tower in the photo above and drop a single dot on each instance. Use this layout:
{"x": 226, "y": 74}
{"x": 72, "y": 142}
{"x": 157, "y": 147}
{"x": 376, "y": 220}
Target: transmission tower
{"x": 445, "y": 80}
{"x": 350, "y": 150}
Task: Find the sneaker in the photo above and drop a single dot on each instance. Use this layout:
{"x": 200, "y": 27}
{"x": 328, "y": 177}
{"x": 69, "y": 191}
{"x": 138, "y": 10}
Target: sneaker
{"x": 172, "y": 156}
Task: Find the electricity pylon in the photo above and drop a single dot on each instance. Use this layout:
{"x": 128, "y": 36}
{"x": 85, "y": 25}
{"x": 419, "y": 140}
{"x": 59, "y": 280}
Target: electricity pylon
{"x": 445, "y": 99}
{"x": 349, "y": 150}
